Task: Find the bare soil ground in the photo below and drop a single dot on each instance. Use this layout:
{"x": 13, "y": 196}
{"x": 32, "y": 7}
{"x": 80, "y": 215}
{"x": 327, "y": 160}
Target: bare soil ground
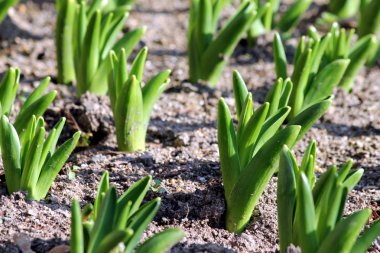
{"x": 182, "y": 153}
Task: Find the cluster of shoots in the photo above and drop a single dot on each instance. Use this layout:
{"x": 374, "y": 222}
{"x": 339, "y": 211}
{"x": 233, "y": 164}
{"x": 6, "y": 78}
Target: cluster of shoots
{"x": 31, "y": 161}
{"x": 310, "y": 211}
{"x": 209, "y": 50}
{"x": 116, "y": 224}
{"x": 5, "y": 5}
{"x": 249, "y": 154}
{"x": 266, "y": 21}
{"x": 321, "y": 64}
{"x": 85, "y": 35}
{"x": 131, "y": 101}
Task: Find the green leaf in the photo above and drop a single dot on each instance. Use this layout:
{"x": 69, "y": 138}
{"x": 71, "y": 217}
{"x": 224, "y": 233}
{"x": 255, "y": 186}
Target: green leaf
{"x": 254, "y": 178}
{"x": 138, "y": 64}
{"x": 228, "y": 150}
{"x": 129, "y": 118}
{"x": 112, "y": 239}
{"x": 240, "y": 91}
{"x": 76, "y": 236}
{"x": 140, "y": 221}
{"x": 11, "y": 155}
{"x": 103, "y": 188}
{"x": 104, "y": 221}
{"x": 31, "y": 170}
{"x": 270, "y": 127}
{"x": 293, "y": 15}
{"x": 37, "y": 108}
{"x": 52, "y": 166}
{"x": 220, "y": 49}
{"x": 286, "y": 198}
{"x": 343, "y": 237}
{"x": 90, "y": 56}
{"x": 310, "y": 115}
{"x": 279, "y": 57}
{"x": 358, "y": 56}
{"x": 135, "y": 194}
{"x": 367, "y": 237}
{"x": 162, "y": 241}
{"x": 325, "y": 81}
{"x": 250, "y": 134}
{"x": 64, "y": 37}
{"x": 8, "y": 90}
{"x": 152, "y": 90}
{"x": 305, "y": 226}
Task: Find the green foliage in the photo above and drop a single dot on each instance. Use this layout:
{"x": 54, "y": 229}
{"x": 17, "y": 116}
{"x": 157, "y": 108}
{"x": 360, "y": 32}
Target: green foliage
{"x": 85, "y": 35}
{"x": 267, "y": 17}
{"x": 250, "y": 153}
{"x": 321, "y": 64}
{"x": 131, "y": 102}
{"x": 35, "y": 104}
{"x": 31, "y": 161}
{"x": 310, "y": 212}
{"x": 4, "y": 7}
{"x": 114, "y": 221}
{"x": 344, "y": 8}
{"x": 209, "y": 50}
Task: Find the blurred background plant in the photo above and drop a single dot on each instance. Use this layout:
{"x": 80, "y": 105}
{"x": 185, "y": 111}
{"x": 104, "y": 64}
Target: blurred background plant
{"x": 85, "y": 35}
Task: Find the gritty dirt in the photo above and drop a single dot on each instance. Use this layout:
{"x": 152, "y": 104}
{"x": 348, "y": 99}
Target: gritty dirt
{"x": 182, "y": 152}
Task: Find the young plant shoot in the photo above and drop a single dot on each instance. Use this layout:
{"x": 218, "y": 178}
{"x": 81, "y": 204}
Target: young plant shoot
{"x": 131, "y": 101}
{"x": 278, "y": 99}
{"x": 35, "y": 104}
{"x": 85, "y": 35}
{"x": 267, "y": 11}
{"x": 249, "y": 154}
{"x": 114, "y": 221}
{"x": 31, "y": 161}
{"x": 320, "y": 64}
{"x": 209, "y": 50}
{"x": 310, "y": 212}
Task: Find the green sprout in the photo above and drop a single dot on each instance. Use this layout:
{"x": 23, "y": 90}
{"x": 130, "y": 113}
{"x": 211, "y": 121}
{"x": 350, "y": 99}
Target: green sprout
{"x": 369, "y": 23}
{"x": 321, "y": 64}
{"x": 131, "y": 101}
{"x": 310, "y": 212}
{"x": 278, "y": 99}
{"x": 31, "y": 161}
{"x": 311, "y": 83}
{"x": 5, "y": 5}
{"x": 35, "y": 104}
{"x": 250, "y": 153}
{"x": 267, "y": 16}
{"x": 117, "y": 224}
{"x": 85, "y": 35}
{"x": 341, "y": 47}
{"x": 208, "y": 51}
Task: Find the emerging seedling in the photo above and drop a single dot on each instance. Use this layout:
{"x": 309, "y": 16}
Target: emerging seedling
{"x": 310, "y": 212}
{"x": 35, "y": 104}
{"x": 278, "y": 98}
{"x": 320, "y": 64}
{"x": 5, "y": 5}
{"x": 131, "y": 101}
{"x": 114, "y": 223}
{"x": 208, "y": 51}
{"x": 249, "y": 154}
{"x": 85, "y": 35}
{"x": 267, "y": 16}
{"x": 31, "y": 161}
